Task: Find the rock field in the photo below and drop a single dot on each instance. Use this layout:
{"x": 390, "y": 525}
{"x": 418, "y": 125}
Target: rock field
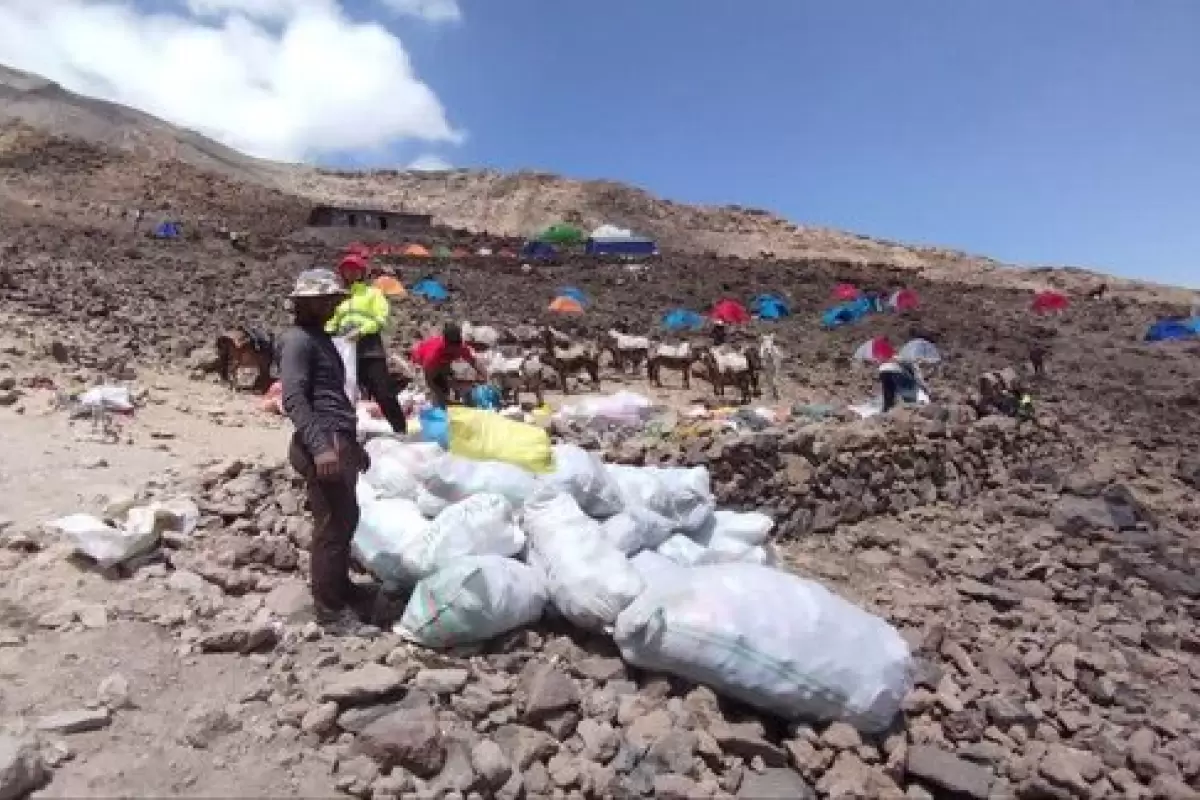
{"x": 1046, "y": 574}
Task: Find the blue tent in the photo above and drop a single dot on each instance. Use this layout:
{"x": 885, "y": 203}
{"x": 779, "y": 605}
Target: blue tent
{"x": 430, "y": 290}
{"x": 167, "y": 230}
{"x": 575, "y": 294}
{"x": 621, "y": 246}
{"x": 681, "y": 319}
{"x": 539, "y": 251}
{"x": 1174, "y": 329}
{"x": 846, "y": 313}
{"x": 768, "y": 306}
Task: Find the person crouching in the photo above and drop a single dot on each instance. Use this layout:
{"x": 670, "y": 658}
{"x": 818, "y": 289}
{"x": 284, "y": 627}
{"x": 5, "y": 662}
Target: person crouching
{"x": 900, "y": 379}
{"x": 436, "y": 356}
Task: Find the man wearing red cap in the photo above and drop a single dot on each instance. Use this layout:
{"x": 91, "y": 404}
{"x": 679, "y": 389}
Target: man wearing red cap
{"x": 361, "y": 317}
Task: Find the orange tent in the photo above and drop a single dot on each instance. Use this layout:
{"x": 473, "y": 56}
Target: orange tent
{"x": 415, "y": 251}
{"x": 566, "y": 305}
{"x": 390, "y": 286}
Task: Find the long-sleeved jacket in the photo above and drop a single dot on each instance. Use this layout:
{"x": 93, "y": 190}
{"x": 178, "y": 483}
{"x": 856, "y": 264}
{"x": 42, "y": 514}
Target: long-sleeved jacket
{"x": 314, "y": 389}
{"x": 366, "y": 309}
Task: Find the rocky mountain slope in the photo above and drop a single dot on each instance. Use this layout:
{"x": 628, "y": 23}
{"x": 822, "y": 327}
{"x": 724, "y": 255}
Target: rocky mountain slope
{"x": 514, "y": 204}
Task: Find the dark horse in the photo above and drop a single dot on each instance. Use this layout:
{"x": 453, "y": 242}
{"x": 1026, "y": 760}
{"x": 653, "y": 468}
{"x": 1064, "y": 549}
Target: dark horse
{"x": 242, "y": 348}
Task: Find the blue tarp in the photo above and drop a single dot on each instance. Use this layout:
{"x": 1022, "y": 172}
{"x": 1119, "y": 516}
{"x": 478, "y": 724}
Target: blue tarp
{"x": 575, "y": 294}
{"x": 681, "y": 319}
{"x": 633, "y": 246}
{"x": 539, "y": 251}
{"x": 768, "y": 306}
{"x": 167, "y": 230}
{"x": 846, "y": 313}
{"x": 430, "y": 290}
{"x": 1174, "y": 329}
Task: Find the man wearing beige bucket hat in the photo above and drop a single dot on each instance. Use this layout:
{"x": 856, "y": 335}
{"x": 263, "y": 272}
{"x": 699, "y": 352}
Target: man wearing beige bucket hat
{"x": 324, "y": 448}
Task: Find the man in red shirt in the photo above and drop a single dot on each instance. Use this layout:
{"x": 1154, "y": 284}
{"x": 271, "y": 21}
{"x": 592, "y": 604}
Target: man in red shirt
{"x": 435, "y": 356}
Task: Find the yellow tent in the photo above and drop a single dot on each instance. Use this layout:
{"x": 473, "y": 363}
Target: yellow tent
{"x": 566, "y": 305}
{"x": 390, "y": 286}
{"x": 415, "y": 251}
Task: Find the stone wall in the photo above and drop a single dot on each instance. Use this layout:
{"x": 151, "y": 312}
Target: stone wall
{"x": 813, "y": 477}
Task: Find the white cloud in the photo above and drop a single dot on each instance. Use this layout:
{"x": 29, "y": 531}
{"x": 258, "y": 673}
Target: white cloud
{"x": 430, "y": 163}
{"x": 430, "y": 10}
{"x": 285, "y": 79}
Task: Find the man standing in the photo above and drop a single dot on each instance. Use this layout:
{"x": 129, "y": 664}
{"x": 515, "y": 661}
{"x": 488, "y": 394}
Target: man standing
{"x": 361, "y": 317}
{"x": 324, "y": 448}
{"x": 436, "y": 356}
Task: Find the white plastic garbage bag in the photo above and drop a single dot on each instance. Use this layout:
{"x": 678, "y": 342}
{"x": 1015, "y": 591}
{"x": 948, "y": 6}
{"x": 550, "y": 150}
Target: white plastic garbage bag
{"x": 105, "y": 544}
{"x": 429, "y": 504}
{"x": 414, "y": 456}
{"x": 473, "y": 599}
{"x": 453, "y": 478}
{"x": 107, "y": 398}
{"x": 683, "y": 551}
{"x": 388, "y": 535}
{"x": 589, "y": 579}
{"x": 718, "y": 550}
{"x": 751, "y": 527}
{"x": 364, "y": 492}
{"x": 722, "y": 549}
{"x": 772, "y": 640}
{"x": 582, "y": 475}
{"x": 391, "y": 474}
{"x": 681, "y": 495}
{"x": 655, "y": 569}
{"x": 483, "y": 524}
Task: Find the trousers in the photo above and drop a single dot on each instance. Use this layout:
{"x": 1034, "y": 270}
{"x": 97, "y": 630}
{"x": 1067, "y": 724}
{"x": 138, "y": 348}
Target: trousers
{"x": 335, "y": 512}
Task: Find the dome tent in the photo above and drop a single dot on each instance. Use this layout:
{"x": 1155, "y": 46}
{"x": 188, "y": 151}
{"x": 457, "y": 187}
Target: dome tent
{"x": 565, "y": 305}
{"x": 920, "y": 350}
{"x": 845, "y": 291}
{"x": 875, "y": 350}
{"x": 561, "y": 233}
{"x": 680, "y": 319}
{"x": 1050, "y": 302}
{"x": 430, "y": 289}
{"x": 770, "y": 307}
{"x": 389, "y": 286}
{"x": 730, "y": 312}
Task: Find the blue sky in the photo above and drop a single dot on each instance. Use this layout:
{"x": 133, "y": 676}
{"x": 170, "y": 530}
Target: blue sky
{"x": 1035, "y": 131}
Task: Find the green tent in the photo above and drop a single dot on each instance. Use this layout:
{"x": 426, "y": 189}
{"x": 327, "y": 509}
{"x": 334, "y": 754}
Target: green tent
{"x": 562, "y": 234}
{"x": 441, "y": 251}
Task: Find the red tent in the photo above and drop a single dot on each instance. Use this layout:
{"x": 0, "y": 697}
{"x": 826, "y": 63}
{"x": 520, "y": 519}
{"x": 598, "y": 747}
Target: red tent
{"x": 1050, "y": 302}
{"x": 904, "y": 300}
{"x": 844, "y": 291}
{"x": 730, "y": 312}
{"x": 877, "y": 349}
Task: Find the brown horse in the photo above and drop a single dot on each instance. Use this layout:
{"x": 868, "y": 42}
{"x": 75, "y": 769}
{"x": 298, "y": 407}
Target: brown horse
{"x": 239, "y": 349}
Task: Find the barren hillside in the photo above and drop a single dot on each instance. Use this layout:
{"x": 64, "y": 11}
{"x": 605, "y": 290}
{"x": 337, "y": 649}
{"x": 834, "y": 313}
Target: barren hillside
{"x": 508, "y": 204}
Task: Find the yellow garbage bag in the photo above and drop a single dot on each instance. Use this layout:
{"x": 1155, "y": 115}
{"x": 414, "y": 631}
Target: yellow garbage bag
{"x": 487, "y": 436}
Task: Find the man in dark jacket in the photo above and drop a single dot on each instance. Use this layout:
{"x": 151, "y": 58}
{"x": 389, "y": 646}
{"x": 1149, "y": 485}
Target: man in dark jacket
{"x": 325, "y": 447}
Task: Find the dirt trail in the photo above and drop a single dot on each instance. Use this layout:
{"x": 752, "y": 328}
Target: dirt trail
{"x": 55, "y": 465}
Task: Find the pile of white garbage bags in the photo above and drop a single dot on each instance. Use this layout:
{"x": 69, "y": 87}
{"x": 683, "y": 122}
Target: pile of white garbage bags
{"x": 641, "y": 552}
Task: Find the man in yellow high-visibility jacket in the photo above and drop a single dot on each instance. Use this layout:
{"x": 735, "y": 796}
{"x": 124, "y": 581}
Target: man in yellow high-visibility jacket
{"x": 361, "y": 317}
